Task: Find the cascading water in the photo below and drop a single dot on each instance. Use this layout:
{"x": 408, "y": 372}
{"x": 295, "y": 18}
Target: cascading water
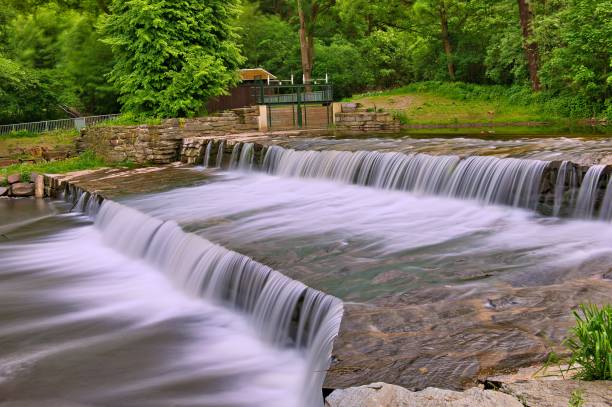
{"x": 487, "y": 179}
{"x": 220, "y": 154}
{"x": 247, "y": 156}
{"x": 565, "y": 175}
{"x": 207, "y": 152}
{"x": 235, "y": 156}
{"x": 285, "y": 312}
{"x": 605, "y": 213}
{"x": 588, "y": 193}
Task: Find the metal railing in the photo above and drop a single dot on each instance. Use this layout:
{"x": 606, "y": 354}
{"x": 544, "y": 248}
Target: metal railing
{"x": 294, "y": 94}
{"x": 62, "y": 124}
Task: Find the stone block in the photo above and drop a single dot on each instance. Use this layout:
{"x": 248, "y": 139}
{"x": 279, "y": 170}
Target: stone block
{"x": 22, "y": 189}
{"x": 13, "y": 178}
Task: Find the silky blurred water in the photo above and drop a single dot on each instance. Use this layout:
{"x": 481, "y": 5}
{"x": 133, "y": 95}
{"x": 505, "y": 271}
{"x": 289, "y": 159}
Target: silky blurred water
{"x": 361, "y": 243}
{"x": 82, "y": 324}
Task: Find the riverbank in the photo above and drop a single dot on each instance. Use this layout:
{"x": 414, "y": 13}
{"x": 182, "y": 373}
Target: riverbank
{"x": 438, "y": 105}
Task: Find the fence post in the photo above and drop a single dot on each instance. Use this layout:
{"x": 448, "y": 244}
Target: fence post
{"x": 299, "y": 109}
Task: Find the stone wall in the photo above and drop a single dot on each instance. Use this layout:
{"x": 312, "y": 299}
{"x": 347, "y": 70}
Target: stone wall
{"x": 161, "y": 144}
{"x": 352, "y": 117}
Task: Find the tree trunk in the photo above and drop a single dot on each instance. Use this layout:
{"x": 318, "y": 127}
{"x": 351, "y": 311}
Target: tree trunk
{"x": 306, "y": 45}
{"x": 448, "y": 48}
{"x": 530, "y": 46}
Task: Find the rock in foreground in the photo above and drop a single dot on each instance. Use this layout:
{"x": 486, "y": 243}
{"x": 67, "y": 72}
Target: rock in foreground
{"x": 553, "y": 393}
{"x": 383, "y": 395}
{"x": 22, "y": 189}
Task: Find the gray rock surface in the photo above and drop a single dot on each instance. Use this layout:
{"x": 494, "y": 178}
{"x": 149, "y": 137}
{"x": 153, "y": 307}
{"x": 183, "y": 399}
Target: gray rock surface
{"x": 383, "y": 395}
{"x": 554, "y": 393}
{"x": 22, "y": 189}
{"x": 3, "y": 191}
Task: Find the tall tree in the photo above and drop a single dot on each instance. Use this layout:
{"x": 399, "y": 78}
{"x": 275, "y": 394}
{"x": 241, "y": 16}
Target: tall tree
{"x": 171, "y": 56}
{"x": 308, "y": 12}
{"x": 529, "y": 43}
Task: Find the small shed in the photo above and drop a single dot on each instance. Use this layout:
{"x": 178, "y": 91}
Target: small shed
{"x": 243, "y": 94}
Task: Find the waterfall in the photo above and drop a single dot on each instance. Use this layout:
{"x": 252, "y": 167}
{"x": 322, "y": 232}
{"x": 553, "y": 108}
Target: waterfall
{"x": 487, "y": 179}
{"x": 247, "y": 156}
{"x": 587, "y": 195}
{"x": 285, "y": 312}
{"x": 605, "y": 213}
{"x": 562, "y": 177}
{"x": 235, "y": 156}
{"x": 207, "y": 154}
{"x": 220, "y": 154}
{"x": 494, "y": 180}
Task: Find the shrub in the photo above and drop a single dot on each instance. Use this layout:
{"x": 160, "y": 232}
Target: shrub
{"x": 591, "y": 342}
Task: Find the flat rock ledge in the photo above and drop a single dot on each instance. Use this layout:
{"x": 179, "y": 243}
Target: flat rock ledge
{"x": 523, "y": 393}
{"x": 554, "y": 393}
{"x": 383, "y": 395}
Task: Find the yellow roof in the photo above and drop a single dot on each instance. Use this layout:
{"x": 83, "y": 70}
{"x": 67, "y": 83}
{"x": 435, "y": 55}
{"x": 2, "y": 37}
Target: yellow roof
{"x": 254, "y": 74}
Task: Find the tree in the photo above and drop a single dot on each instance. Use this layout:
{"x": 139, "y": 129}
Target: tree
{"x": 428, "y": 12}
{"x": 308, "y": 12}
{"x": 269, "y": 42}
{"x": 529, "y": 44}
{"x": 25, "y": 94}
{"x": 171, "y": 56}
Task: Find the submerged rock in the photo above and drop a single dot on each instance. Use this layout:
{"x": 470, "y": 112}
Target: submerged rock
{"x": 383, "y": 395}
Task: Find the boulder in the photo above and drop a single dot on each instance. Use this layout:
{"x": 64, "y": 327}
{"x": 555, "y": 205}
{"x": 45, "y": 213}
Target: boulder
{"x": 33, "y": 176}
{"x": 383, "y": 395}
{"x": 3, "y": 191}
{"x": 22, "y": 189}
{"x": 13, "y": 178}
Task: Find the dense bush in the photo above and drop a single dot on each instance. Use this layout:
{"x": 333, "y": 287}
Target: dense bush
{"x": 591, "y": 342}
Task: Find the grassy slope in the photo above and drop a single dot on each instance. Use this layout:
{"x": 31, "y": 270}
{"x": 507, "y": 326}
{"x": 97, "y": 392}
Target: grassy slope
{"x": 85, "y": 161}
{"x": 430, "y": 105}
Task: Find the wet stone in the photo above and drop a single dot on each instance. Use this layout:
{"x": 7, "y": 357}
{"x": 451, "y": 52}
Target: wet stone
{"x": 22, "y": 189}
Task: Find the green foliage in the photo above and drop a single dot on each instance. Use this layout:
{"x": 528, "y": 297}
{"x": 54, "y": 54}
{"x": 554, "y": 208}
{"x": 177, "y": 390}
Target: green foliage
{"x": 25, "y": 94}
{"x": 56, "y": 42}
{"x": 269, "y": 42}
{"x": 171, "y": 56}
{"x": 344, "y": 60}
{"x": 591, "y": 342}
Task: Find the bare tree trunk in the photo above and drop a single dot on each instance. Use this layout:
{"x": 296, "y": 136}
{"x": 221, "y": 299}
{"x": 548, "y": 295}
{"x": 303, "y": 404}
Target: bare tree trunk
{"x": 529, "y": 45}
{"x": 448, "y": 48}
{"x": 306, "y": 45}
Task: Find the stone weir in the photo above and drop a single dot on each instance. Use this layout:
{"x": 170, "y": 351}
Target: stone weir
{"x": 411, "y": 340}
{"x": 552, "y": 188}
{"x": 284, "y": 312}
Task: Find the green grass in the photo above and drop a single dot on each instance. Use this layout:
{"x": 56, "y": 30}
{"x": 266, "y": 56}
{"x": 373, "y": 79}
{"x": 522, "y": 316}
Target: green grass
{"x": 85, "y": 161}
{"x": 457, "y": 103}
{"x": 130, "y": 119}
{"x": 591, "y": 342}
